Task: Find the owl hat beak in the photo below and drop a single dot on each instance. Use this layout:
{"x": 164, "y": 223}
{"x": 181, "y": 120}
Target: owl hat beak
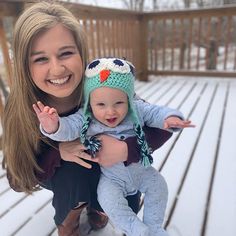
{"x": 104, "y": 74}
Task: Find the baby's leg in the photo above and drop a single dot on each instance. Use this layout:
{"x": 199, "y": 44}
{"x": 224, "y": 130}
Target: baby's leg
{"x": 115, "y": 205}
{"x": 155, "y": 201}
{"x": 154, "y": 186}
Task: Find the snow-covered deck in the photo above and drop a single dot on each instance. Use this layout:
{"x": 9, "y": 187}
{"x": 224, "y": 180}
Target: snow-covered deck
{"x": 198, "y": 164}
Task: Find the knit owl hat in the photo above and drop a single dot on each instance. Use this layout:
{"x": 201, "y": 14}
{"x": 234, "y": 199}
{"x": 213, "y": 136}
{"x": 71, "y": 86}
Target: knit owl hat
{"x": 119, "y": 74}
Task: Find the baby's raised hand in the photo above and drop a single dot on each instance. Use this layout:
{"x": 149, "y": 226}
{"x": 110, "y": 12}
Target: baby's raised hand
{"x": 48, "y": 117}
{"x": 176, "y": 122}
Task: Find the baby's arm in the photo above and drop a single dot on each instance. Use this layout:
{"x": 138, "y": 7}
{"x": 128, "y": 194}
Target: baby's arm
{"x": 48, "y": 117}
{"x": 175, "y": 122}
{"x": 162, "y": 117}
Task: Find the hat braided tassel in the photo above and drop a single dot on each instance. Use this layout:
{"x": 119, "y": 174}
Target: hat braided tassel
{"x": 93, "y": 144}
{"x": 146, "y": 158}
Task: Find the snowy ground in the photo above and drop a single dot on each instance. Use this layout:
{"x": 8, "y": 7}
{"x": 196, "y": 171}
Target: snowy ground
{"x": 199, "y": 166}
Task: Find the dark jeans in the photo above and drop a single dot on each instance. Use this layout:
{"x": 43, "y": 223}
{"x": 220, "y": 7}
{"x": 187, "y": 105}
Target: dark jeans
{"x": 72, "y": 184}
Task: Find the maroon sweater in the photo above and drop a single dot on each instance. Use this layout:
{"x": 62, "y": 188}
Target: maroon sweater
{"x": 49, "y": 158}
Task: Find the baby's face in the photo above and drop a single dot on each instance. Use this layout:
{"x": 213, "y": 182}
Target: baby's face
{"x": 109, "y": 105}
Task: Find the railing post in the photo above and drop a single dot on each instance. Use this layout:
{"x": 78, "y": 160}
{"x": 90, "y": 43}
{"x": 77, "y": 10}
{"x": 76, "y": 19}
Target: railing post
{"x": 6, "y": 58}
{"x": 143, "y": 50}
{"x": 182, "y": 55}
{"x": 212, "y": 53}
{"x": 5, "y": 93}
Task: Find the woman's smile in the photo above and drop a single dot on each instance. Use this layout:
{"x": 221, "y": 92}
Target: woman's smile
{"x": 60, "y": 81}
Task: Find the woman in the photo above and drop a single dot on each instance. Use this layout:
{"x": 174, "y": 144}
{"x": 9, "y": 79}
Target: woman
{"x": 50, "y": 55}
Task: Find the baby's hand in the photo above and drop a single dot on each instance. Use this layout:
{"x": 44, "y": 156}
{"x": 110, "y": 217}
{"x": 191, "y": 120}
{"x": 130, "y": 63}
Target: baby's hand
{"x": 176, "y": 122}
{"x": 48, "y": 117}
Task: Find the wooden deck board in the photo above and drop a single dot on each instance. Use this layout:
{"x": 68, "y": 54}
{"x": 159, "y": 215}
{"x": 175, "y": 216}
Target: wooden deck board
{"x": 42, "y": 216}
{"x": 4, "y": 186}
{"x": 198, "y": 176}
{"x": 222, "y": 205}
{"x": 199, "y": 166}
{"x": 19, "y": 214}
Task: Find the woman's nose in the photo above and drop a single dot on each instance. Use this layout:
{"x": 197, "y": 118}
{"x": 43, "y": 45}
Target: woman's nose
{"x": 56, "y": 67}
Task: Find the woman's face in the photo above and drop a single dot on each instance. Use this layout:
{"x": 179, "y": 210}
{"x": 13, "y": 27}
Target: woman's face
{"x": 55, "y": 62}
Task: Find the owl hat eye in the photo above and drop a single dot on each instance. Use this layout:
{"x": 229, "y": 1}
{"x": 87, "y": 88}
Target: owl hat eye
{"x": 119, "y": 74}
{"x": 112, "y": 64}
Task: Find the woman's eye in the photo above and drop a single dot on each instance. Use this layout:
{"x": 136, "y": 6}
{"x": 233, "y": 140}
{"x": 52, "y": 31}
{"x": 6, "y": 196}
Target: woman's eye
{"x": 67, "y": 53}
{"x": 40, "y": 59}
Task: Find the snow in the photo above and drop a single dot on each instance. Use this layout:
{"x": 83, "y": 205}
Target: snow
{"x": 198, "y": 164}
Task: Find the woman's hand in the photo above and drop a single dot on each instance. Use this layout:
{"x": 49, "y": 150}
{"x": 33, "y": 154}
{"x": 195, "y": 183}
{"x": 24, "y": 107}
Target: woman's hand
{"x": 74, "y": 152}
{"x": 112, "y": 151}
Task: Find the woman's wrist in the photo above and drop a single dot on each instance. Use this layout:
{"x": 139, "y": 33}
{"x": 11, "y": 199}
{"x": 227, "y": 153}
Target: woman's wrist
{"x": 155, "y": 138}
{"x": 112, "y": 152}
{"x": 124, "y": 147}
{"x": 132, "y": 151}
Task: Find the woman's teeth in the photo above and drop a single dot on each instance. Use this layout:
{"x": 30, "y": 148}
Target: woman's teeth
{"x": 60, "y": 81}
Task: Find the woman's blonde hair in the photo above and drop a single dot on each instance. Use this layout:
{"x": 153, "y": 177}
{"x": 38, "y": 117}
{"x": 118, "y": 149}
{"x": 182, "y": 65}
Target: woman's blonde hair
{"x": 21, "y": 135}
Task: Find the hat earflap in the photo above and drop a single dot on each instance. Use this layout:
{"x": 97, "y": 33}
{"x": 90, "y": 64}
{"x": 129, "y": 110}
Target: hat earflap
{"x": 93, "y": 144}
{"x": 146, "y": 158}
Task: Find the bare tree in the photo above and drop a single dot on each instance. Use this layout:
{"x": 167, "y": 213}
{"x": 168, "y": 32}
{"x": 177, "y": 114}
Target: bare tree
{"x": 154, "y": 4}
{"x": 225, "y": 2}
{"x": 187, "y": 3}
{"x": 136, "y": 5}
{"x": 200, "y": 3}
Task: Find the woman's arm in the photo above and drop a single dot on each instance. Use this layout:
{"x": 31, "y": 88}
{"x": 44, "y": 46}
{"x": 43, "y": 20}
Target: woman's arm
{"x": 50, "y": 157}
{"x": 74, "y": 151}
{"x": 128, "y": 151}
{"x": 155, "y": 137}
{"x": 112, "y": 151}
{"x": 47, "y": 160}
